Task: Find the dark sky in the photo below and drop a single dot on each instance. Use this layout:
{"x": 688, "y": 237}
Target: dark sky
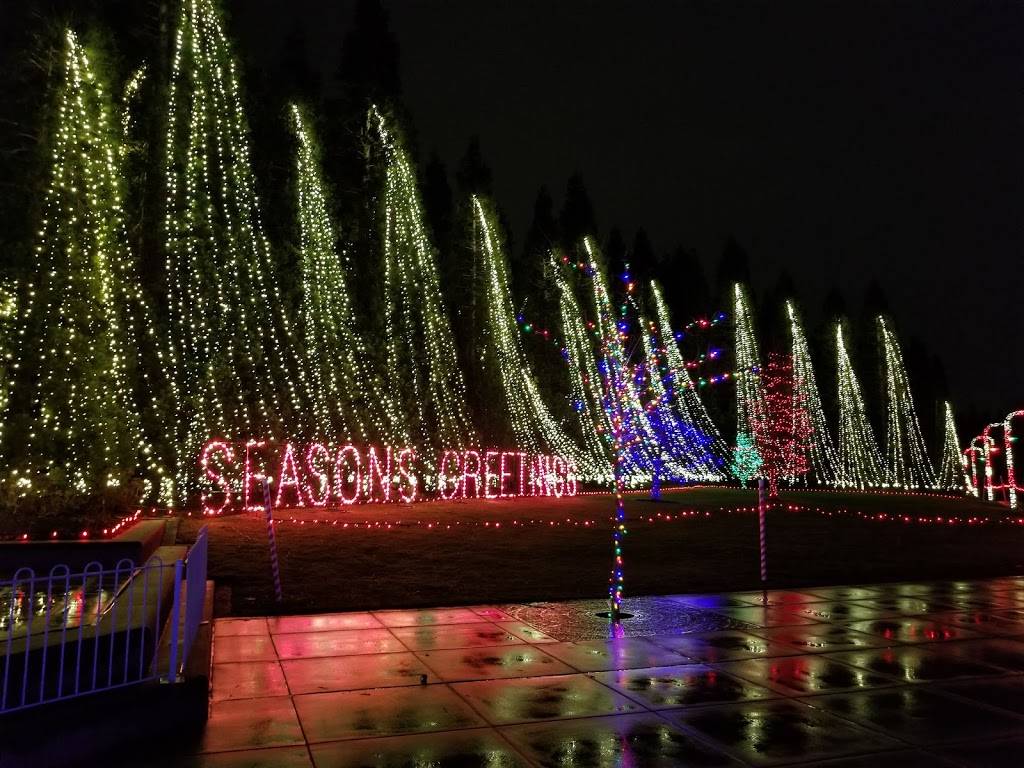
{"x": 839, "y": 140}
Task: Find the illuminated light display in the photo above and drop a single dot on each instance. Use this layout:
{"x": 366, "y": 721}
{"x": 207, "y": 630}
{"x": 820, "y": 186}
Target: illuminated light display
{"x": 974, "y": 455}
{"x": 532, "y": 423}
{"x": 320, "y": 476}
{"x": 860, "y": 462}
{"x": 749, "y": 394}
{"x": 1011, "y": 474}
{"x": 223, "y": 300}
{"x": 346, "y": 394}
{"x": 822, "y": 461}
{"x": 420, "y": 360}
{"x": 687, "y": 398}
{"x": 906, "y": 458}
{"x": 951, "y": 475}
{"x": 993, "y": 488}
{"x": 677, "y": 438}
{"x": 782, "y": 426}
{"x": 746, "y": 462}
{"x": 74, "y": 407}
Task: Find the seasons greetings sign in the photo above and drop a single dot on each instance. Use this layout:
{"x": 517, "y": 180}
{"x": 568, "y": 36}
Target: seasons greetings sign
{"x": 317, "y": 475}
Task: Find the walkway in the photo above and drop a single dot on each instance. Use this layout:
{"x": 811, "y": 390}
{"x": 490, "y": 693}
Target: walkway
{"x": 881, "y": 675}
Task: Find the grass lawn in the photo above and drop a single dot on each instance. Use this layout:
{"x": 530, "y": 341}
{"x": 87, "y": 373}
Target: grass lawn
{"x": 550, "y": 549}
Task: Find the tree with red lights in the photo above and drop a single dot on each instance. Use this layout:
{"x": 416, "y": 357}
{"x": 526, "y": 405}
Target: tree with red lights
{"x": 782, "y": 426}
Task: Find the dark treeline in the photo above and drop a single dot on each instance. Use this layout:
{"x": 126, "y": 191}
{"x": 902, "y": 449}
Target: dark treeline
{"x": 697, "y": 285}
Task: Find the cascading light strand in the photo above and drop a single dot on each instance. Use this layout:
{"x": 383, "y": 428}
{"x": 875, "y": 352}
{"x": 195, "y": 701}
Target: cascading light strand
{"x": 347, "y": 397}
{"x": 906, "y": 458}
{"x": 532, "y": 423}
{"x": 860, "y": 462}
{"x": 79, "y": 392}
{"x": 823, "y": 462}
{"x": 687, "y": 398}
{"x": 749, "y": 395}
{"x": 235, "y": 364}
{"x": 951, "y": 473}
{"x": 421, "y": 362}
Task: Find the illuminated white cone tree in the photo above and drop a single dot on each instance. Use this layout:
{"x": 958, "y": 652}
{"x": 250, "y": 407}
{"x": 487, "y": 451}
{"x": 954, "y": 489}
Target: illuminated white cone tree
{"x": 906, "y": 458}
{"x": 860, "y": 462}
{"x": 421, "y": 361}
{"x": 822, "y": 461}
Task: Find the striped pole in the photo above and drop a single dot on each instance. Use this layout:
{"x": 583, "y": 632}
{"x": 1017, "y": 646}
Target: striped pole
{"x": 761, "y": 508}
{"x": 274, "y": 568}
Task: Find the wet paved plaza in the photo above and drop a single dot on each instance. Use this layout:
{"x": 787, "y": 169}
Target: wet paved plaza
{"x": 879, "y": 675}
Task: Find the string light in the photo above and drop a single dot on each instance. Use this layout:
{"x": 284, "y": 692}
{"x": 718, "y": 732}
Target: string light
{"x": 951, "y": 475}
{"x": 421, "y": 362}
{"x": 234, "y": 360}
{"x": 860, "y": 462}
{"x": 686, "y": 396}
{"x": 822, "y": 462}
{"x": 782, "y": 427}
{"x": 906, "y": 458}
{"x": 75, "y": 417}
{"x": 346, "y": 394}
{"x": 1008, "y": 440}
{"x": 532, "y": 423}
{"x": 749, "y": 395}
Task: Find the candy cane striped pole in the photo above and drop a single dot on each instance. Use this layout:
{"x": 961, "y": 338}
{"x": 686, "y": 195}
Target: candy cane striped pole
{"x": 274, "y": 568}
{"x": 761, "y": 508}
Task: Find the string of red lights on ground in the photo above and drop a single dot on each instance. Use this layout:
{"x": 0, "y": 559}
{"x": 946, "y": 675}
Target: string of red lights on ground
{"x": 340, "y": 517}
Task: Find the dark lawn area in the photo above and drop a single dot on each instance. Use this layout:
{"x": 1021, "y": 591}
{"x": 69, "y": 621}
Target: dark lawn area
{"x": 461, "y": 561}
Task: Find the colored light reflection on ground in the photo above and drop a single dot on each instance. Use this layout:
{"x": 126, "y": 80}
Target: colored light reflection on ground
{"x": 816, "y": 674}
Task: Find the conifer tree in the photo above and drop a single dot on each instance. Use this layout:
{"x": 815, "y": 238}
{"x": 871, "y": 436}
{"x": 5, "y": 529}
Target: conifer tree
{"x": 74, "y": 417}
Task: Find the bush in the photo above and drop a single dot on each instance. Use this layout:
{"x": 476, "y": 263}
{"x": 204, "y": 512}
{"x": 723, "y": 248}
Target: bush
{"x": 65, "y": 511}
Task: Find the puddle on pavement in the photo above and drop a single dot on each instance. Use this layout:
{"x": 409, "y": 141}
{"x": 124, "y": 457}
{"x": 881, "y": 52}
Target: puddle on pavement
{"x": 576, "y": 620}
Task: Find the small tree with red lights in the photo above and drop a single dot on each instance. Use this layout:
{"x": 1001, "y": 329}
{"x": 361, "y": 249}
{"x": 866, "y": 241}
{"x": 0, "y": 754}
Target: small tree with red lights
{"x": 782, "y": 426}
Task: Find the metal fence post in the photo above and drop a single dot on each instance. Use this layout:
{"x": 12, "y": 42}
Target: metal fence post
{"x": 172, "y": 666}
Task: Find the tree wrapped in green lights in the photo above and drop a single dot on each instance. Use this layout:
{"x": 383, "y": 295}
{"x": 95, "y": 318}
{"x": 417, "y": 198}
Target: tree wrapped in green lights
{"x": 235, "y": 369}
{"x": 347, "y": 396}
{"x": 73, "y": 418}
{"x": 906, "y": 457}
{"x": 860, "y": 462}
{"x": 420, "y": 357}
{"x": 746, "y": 463}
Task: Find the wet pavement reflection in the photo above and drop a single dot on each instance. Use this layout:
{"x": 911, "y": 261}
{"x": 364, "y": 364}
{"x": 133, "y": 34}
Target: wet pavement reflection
{"x": 845, "y": 676}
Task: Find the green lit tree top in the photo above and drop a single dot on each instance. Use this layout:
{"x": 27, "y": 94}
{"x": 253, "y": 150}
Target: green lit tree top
{"x": 746, "y": 460}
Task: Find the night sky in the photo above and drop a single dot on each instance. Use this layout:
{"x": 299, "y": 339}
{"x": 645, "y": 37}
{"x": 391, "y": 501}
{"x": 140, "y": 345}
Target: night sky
{"x": 840, "y": 141}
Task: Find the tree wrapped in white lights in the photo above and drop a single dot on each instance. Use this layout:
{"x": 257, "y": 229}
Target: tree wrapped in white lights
{"x": 906, "y": 457}
{"x": 347, "y": 397}
{"x": 750, "y": 407}
{"x": 585, "y": 392}
{"x": 532, "y": 423}
{"x": 420, "y": 357}
{"x": 822, "y": 460}
{"x": 860, "y": 462}
{"x": 74, "y": 413}
{"x": 687, "y": 398}
{"x": 234, "y": 366}
{"x": 951, "y": 470}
